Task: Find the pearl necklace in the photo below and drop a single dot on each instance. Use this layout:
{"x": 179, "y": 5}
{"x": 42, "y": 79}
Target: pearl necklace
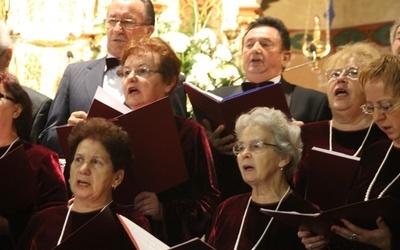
{"x": 266, "y": 228}
{"x": 66, "y": 220}
{"x": 376, "y": 176}
{"x": 362, "y": 144}
{"x": 9, "y": 147}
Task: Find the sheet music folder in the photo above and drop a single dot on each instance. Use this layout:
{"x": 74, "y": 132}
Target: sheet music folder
{"x": 330, "y": 177}
{"x": 159, "y": 163}
{"x": 362, "y": 214}
{"x": 226, "y": 110}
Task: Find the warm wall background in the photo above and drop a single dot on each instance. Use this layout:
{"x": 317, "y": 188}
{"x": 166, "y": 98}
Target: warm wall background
{"x": 354, "y": 20}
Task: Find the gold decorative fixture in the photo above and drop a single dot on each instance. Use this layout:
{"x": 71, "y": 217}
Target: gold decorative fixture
{"x": 318, "y": 47}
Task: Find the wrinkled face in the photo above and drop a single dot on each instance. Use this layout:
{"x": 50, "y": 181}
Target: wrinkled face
{"x": 396, "y": 43}
{"x": 344, "y": 89}
{"x": 261, "y": 166}
{"x": 118, "y": 36}
{"x": 263, "y": 55}
{"x": 142, "y": 83}
{"x": 387, "y": 121}
{"x": 91, "y": 175}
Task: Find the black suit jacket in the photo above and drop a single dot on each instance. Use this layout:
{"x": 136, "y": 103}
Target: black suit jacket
{"x": 40, "y": 110}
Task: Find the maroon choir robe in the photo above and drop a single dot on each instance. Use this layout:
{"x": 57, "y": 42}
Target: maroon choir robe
{"x": 49, "y": 181}
{"x": 45, "y": 227}
{"x": 279, "y": 236}
{"x": 347, "y": 142}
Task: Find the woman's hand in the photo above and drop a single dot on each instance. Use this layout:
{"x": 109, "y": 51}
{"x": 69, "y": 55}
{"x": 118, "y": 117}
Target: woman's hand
{"x": 380, "y": 237}
{"x": 223, "y": 145}
{"x": 312, "y": 242}
{"x": 148, "y": 204}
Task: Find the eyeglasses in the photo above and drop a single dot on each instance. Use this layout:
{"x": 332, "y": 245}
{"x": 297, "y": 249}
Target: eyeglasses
{"x": 128, "y": 24}
{"x": 142, "y": 72}
{"x": 7, "y": 97}
{"x": 385, "y": 106}
{"x": 349, "y": 73}
{"x": 253, "y": 146}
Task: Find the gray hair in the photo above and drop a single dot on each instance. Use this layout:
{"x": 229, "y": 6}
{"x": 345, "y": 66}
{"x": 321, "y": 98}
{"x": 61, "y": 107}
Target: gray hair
{"x": 286, "y": 134}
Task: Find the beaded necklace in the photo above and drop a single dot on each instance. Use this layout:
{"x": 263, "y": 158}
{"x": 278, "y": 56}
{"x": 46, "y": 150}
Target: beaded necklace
{"x": 266, "y": 228}
{"x": 362, "y": 144}
{"x": 376, "y": 176}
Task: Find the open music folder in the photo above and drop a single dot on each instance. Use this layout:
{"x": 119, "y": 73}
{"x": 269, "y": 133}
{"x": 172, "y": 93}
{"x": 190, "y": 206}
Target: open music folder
{"x": 143, "y": 240}
{"x": 225, "y": 110}
{"x": 158, "y": 163}
{"x": 362, "y": 214}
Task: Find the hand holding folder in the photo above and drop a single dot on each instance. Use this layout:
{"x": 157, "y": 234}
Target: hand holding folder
{"x": 362, "y": 214}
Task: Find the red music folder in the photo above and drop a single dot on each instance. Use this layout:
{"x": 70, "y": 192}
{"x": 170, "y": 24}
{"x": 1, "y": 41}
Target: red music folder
{"x": 18, "y": 188}
{"x": 330, "y": 177}
{"x": 362, "y": 214}
{"x": 158, "y": 163}
{"x": 226, "y": 110}
{"x": 144, "y": 240}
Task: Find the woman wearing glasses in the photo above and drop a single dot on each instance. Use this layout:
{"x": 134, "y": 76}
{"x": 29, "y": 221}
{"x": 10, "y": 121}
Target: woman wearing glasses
{"x": 267, "y": 150}
{"x": 40, "y": 176}
{"x": 350, "y": 130}
{"x": 379, "y": 172}
{"x": 150, "y": 71}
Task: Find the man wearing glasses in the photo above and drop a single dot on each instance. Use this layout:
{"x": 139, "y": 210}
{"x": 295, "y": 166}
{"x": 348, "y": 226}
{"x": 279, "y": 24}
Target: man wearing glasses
{"x": 126, "y": 20}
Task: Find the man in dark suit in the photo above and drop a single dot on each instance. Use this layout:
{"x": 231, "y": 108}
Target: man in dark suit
{"x": 265, "y": 54}
{"x": 126, "y": 20}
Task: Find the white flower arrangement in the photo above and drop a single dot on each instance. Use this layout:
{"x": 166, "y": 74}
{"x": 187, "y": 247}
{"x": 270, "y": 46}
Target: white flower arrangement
{"x": 205, "y": 62}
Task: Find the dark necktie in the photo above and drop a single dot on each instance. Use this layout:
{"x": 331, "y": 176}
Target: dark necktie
{"x": 248, "y": 85}
{"x": 112, "y": 62}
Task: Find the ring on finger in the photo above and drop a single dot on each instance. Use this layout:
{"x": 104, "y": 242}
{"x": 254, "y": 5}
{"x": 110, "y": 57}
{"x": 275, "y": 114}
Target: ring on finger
{"x": 353, "y": 236}
{"x": 310, "y": 246}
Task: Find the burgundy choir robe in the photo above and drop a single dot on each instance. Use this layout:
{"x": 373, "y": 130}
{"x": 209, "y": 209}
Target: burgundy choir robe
{"x": 279, "y": 236}
{"x": 45, "y": 227}
{"x": 347, "y": 142}
{"x": 49, "y": 179}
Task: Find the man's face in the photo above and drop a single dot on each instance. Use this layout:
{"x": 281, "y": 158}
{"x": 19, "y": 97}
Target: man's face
{"x": 118, "y": 35}
{"x": 396, "y": 43}
{"x": 263, "y": 55}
